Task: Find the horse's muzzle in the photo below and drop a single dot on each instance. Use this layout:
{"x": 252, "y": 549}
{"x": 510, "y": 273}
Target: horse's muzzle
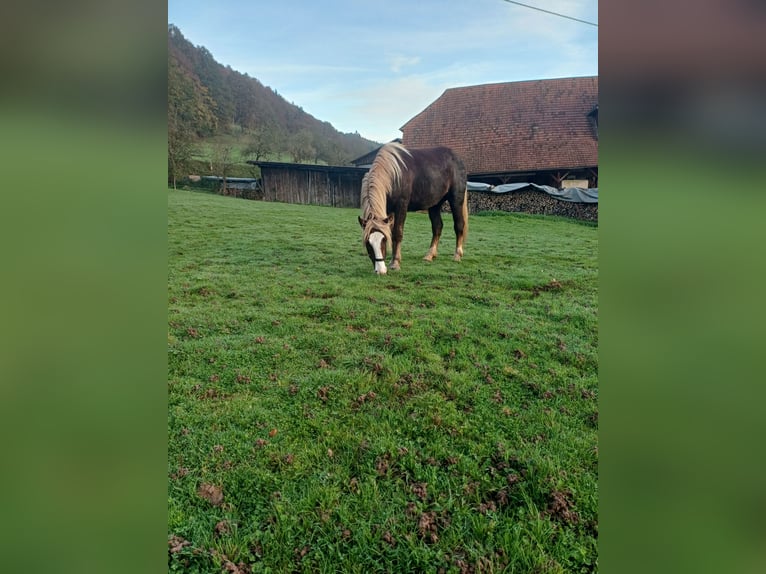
{"x": 380, "y": 267}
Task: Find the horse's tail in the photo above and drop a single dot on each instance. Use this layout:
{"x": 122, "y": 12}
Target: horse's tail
{"x": 465, "y": 213}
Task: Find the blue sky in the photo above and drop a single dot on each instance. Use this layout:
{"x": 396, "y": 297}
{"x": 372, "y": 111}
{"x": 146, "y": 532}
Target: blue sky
{"x": 371, "y": 66}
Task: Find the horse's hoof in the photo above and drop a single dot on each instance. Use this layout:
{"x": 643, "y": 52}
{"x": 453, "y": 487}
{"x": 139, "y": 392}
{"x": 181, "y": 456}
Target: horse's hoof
{"x": 428, "y": 258}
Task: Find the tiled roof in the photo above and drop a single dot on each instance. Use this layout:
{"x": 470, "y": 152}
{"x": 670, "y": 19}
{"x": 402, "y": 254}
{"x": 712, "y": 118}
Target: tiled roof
{"x": 513, "y": 126}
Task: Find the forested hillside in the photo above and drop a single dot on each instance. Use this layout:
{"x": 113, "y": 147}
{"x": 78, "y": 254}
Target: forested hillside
{"x": 218, "y": 118}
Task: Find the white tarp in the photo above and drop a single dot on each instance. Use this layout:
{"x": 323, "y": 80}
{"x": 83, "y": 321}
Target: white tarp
{"x": 573, "y": 194}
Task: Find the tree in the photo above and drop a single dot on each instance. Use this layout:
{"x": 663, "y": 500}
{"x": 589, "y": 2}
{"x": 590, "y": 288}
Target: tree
{"x": 190, "y": 116}
{"x": 189, "y": 104}
{"x": 331, "y": 152}
{"x": 301, "y": 146}
{"x": 181, "y": 147}
{"x": 262, "y": 141}
{"x": 223, "y": 159}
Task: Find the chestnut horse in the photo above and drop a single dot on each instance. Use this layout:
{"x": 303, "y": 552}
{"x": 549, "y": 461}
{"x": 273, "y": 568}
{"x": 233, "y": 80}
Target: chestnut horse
{"x": 402, "y": 180}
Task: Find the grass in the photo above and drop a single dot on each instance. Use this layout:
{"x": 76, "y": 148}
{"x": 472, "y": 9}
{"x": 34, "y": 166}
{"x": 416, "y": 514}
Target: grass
{"x": 324, "y": 419}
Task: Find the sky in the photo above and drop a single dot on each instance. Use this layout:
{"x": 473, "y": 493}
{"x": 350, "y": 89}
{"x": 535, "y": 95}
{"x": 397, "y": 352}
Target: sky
{"x": 369, "y": 67}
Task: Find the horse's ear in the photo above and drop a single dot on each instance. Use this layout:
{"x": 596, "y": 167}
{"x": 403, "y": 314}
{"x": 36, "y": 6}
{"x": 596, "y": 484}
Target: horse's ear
{"x": 361, "y": 221}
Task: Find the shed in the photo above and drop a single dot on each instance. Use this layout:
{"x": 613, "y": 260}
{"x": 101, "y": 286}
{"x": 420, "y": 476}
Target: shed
{"x": 335, "y": 186}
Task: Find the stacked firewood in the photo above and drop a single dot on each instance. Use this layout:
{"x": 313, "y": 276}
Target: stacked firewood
{"x": 242, "y": 193}
{"x": 529, "y": 201}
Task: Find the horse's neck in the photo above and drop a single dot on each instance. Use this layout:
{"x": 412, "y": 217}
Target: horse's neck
{"x": 376, "y": 204}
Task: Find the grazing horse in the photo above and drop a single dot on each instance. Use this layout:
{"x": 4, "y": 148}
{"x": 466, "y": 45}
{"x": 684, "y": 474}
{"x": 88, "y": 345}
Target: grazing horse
{"x": 402, "y": 180}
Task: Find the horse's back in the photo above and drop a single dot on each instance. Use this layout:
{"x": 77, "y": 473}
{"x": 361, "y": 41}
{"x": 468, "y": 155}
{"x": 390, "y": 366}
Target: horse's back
{"x": 436, "y": 173}
{"x": 437, "y": 163}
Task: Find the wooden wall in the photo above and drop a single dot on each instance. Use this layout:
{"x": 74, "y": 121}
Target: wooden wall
{"x": 340, "y": 187}
{"x": 312, "y": 185}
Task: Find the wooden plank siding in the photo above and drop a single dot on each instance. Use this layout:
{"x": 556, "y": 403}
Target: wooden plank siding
{"x": 332, "y": 186}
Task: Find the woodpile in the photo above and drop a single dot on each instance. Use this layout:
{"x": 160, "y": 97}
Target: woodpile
{"x": 243, "y": 193}
{"x": 529, "y": 201}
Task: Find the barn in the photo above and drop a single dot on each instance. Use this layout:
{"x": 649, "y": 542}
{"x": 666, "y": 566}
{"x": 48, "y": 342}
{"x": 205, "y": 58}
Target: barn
{"x": 539, "y": 131}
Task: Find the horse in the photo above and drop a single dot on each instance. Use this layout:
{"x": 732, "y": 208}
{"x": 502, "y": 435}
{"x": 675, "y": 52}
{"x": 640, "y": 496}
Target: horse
{"x": 402, "y": 180}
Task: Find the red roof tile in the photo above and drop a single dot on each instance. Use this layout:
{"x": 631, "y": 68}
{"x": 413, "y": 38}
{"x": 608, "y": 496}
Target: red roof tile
{"x": 513, "y": 126}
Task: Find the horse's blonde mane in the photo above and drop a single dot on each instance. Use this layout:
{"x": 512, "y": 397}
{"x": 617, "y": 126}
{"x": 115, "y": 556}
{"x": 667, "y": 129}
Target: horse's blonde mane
{"x": 385, "y": 174}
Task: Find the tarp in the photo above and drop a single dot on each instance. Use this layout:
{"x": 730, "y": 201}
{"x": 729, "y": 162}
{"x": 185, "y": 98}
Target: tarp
{"x": 573, "y": 194}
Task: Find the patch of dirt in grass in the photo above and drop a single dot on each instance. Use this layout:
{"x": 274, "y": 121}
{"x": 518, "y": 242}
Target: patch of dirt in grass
{"x": 409, "y": 385}
{"x": 560, "y": 507}
{"x": 552, "y": 285}
{"x": 229, "y": 566}
{"x": 429, "y": 523}
{"x": 213, "y": 494}
{"x": 485, "y": 507}
{"x": 498, "y": 499}
{"x": 300, "y": 553}
{"x": 389, "y": 539}
{"x": 323, "y": 394}
{"x": 176, "y": 544}
{"x": 213, "y": 394}
{"x": 427, "y": 527}
{"x": 240, "y": 568}
{"x": 373, "y": 364}
{"x": 202, "y": 291}
{"x": 361, "y": 399}
{"x": 180, "y": 473}
{"x": 382, "y": 463}
{"x": 222, "y": 528}
{"x": 193, "y": 333}
{"x": 495, "y": 562}
{"x": 420, "y": 489}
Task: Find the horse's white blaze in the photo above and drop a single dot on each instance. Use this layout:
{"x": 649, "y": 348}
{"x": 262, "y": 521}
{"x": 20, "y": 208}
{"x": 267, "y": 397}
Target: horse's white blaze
{"x": 376, "y": 238}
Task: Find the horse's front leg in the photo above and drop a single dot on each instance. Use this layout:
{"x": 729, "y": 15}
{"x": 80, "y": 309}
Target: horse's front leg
{"x": 435, "y": 214}
{"x": 396, "y": 238}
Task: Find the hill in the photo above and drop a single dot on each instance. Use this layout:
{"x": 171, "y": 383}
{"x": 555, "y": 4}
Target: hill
{"x": 220, "y": 115}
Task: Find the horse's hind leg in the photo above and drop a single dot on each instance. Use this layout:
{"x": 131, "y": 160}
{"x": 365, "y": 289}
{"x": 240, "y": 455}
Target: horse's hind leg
{"x": 460, "y": 218}
{"x": 435, "y": 213}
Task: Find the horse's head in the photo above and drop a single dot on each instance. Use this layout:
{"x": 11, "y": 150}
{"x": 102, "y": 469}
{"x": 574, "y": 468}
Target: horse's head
{"x": 376, "y": 235}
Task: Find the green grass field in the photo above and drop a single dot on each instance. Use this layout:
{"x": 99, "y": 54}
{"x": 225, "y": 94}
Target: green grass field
{"x": 324, "y": 419}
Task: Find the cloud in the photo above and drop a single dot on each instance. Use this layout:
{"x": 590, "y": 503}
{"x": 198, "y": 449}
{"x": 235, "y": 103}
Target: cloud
{"x": 399, "y": 61}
